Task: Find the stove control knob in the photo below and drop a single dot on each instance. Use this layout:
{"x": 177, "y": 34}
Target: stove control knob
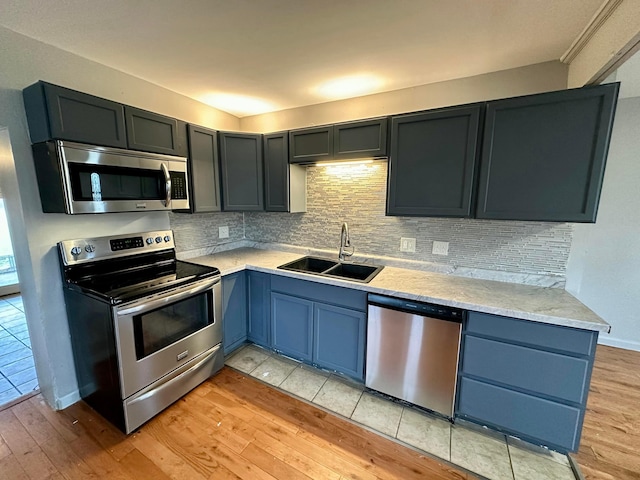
{"x": 75, "y": 251}
{"x": 158, "y": 239}
{"x": 149, "y": 241}
{"x": 167, "y": 238}
{"x": 90, "y": 248}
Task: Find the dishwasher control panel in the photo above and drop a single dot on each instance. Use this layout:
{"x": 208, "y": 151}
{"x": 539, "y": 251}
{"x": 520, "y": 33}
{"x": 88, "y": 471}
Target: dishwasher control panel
{"x": 418, "y": 308}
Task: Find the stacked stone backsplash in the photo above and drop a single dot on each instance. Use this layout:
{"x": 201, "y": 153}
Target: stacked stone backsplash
{"x": 524, "y": 252}
{"x": 197, "y": 234}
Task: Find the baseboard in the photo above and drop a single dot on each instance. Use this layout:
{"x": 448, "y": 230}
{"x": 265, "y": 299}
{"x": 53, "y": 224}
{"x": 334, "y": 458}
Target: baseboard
{"x": 67, "y": 400}
{"x": 615, "y": 342}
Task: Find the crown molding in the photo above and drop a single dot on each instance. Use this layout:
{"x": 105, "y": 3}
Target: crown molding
{"x": 600, "y": 17}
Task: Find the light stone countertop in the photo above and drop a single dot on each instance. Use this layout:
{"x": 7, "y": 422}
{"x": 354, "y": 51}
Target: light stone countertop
{"x": 540, "y": 304}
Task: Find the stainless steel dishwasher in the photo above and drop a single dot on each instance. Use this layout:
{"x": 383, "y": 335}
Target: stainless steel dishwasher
{"x": 412, "y": 351}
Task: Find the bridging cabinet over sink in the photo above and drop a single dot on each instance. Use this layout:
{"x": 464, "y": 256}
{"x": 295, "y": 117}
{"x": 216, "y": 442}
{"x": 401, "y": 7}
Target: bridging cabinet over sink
{"x": 526, "y": 379}
{"x": 342, "y": 141}
{"x": 319, "y": 324}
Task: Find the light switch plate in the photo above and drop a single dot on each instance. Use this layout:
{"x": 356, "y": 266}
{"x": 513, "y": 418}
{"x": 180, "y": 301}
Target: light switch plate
{"x": 440, "y": 248}
{"x": 223, "y": 232}
{"x": 408, "y": 245}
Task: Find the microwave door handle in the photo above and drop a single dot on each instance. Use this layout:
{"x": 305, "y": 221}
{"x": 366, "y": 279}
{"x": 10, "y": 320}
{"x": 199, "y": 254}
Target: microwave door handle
{"x": 167, "y": 184}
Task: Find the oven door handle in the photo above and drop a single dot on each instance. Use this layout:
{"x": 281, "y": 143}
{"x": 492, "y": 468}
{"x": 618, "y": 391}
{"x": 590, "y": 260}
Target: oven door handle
{"x": 167, "y": 184}
{"x": 146, "y": 304}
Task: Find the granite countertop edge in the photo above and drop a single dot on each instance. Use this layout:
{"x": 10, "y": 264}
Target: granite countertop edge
{"x": 552, "y": 306}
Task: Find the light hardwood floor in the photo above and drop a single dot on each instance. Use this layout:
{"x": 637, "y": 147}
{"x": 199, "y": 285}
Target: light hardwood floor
{"x": 235, "y": 427}
{"x": 610, "y": 445}
{"x": 228, "y": 428}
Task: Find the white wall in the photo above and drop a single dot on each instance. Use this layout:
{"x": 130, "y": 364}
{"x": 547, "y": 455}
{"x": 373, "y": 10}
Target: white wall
{"x": 604, "y": 264}
{"x": 543, "y": 77}
{"x": 24, "y": 61}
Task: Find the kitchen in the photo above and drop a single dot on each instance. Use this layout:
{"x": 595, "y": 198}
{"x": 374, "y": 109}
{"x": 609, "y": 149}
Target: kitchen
{"x": 40, "y": 231}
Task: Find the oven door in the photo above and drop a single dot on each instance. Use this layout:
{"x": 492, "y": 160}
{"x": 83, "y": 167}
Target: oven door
{"x": 160, "y": 333}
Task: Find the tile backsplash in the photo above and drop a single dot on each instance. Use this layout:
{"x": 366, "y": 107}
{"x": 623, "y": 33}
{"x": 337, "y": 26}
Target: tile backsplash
{"x": 356, "y": 194}
{"x": 523, "y": 252}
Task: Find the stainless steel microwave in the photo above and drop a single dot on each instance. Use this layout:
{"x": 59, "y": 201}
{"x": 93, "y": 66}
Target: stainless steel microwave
{"x": 76, "y": 178}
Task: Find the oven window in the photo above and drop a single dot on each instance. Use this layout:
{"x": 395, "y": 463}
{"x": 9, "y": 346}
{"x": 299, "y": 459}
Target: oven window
{"x": 103, "y": 183}
{"x": 159, "y": 328}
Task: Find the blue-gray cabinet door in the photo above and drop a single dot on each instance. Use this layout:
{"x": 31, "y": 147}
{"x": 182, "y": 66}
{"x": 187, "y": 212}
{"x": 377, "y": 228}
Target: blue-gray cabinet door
{"x": 55, "y": 112}
{"x": 339, "y": 337}
{"x": 292, "y": 326}
{"x": 204, "y": 172}
{"x": 310, "y": 145}
{"x": 543, "y": 155}
{"x": 259, "y": 292}
{"x": 276, "y": 172}
{"x": 361, "y": 139}
{"x": 234, "y": 311}
{"x": 152, "y": 132}
{"x": 432, "y": 162}
{"x": 242, "y": 171}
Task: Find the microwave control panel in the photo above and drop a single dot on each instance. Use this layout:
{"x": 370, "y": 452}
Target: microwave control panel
{"x": 178, "y": 186}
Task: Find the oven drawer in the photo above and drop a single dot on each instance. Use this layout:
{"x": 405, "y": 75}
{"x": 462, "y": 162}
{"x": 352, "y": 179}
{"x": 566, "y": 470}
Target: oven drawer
{"x": 158, "y": 396}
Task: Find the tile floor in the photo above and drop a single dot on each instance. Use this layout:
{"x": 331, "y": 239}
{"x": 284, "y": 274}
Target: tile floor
{"x": 17, "y": 371}
{"x": 490, "y": 455}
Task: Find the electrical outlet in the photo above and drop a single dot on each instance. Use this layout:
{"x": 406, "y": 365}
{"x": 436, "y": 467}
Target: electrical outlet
{"x": 223, "y": 232}
{"x": 408, "y": 245}
{"x": 440, "y": 248}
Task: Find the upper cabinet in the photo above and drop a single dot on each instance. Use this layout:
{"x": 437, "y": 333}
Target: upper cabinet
{"x": 544, "y": 155}
{"x": 156, "y": 133}
{"x": 361, "y": 139}
{"x": 542, "y": 158}
{"x": 204, "y": 172}
{"x": 432, "y": 162}
{"x": 284, "y": 184}
{"x": 55, "y": 112}
{"x": 241, "y": 171}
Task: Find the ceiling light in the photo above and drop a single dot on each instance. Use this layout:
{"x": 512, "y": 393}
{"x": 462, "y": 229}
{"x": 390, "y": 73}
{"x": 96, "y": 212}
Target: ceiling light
{"x": 351, "y": 86}
{"x": 239, "y": 105}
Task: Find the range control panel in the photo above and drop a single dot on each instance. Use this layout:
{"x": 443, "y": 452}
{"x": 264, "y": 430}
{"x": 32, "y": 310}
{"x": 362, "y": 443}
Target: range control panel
{"x": 83, "y": 250}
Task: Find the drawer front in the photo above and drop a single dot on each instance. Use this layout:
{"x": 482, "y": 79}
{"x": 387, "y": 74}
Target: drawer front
{"x": 539, "y": 371}
{"x": 552, "y": 424}
{"x": 344, "y": 297}
{"x": 547, "y": 336}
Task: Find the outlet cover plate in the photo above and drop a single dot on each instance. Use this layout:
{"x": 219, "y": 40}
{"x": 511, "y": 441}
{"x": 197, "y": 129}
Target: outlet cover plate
{"x": 440, "y": 248}
{"x": 223, "y": 232}
{"x": 408, "y": 245}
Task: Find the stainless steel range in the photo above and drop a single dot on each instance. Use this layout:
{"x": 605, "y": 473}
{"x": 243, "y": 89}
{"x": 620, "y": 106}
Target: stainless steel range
{"x": 145, "y": 328}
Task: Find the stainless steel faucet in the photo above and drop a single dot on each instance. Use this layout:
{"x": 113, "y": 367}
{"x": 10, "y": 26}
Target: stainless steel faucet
{"x": 345, "y": 242}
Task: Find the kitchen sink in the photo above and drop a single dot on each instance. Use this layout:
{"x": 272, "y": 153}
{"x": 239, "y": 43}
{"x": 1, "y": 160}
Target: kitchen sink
{"x": 356, "y": 272}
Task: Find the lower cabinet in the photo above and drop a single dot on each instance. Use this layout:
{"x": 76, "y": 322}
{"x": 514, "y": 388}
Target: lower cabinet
{"x": 309, "y": 326}
{"x": 258, "y": 291}
{"x": 234, "y": 311}
{"x": 527, "y": 379}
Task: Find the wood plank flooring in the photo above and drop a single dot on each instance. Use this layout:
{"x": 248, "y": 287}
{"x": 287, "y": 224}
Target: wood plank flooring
{"x": 610, "y": 445}
{"x": 231, "y": 427}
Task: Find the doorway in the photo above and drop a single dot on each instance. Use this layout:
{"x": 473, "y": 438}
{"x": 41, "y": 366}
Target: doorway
{"x": 8, "y": 273}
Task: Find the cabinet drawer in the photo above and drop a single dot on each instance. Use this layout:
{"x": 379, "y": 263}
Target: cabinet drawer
{"x": 547, "y": 336}
{"x": 552, "y": 424}
{"x": 539, "y": 371}
{"x": 344, "y": 297}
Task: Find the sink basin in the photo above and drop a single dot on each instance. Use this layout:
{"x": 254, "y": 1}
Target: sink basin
{"x": 356, "y": 272}
{"x": 309, "y": 265}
